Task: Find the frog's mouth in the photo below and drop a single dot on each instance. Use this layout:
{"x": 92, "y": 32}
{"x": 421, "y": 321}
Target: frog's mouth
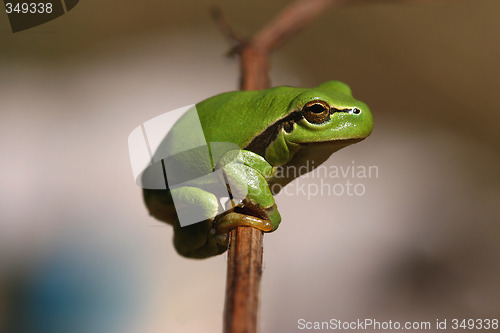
{"x": 330, "y": 143}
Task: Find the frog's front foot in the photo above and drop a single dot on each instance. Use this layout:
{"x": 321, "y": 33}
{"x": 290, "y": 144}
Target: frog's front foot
{"x": 233, "y": 220}
{"x": 246, "y": 173}
{"x": 266, "y": 222}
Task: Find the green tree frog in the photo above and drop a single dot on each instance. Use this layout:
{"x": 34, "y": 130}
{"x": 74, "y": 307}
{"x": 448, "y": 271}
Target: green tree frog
{"x": 277, "y": 127}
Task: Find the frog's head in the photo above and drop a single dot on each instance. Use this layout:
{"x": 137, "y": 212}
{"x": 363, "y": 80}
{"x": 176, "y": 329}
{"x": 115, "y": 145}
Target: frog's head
{"x": 326, "y": 118}
{"x": 327, "y": 113}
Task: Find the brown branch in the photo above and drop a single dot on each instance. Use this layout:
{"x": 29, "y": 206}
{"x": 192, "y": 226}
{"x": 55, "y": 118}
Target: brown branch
{"x": 289, "y": 21}
{"x": 244, "y": 270}
{"x": 255, "y": 56}
{"x": 225, "y": 27}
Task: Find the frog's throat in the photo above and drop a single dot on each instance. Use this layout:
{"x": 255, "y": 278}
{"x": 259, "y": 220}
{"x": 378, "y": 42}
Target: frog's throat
{"x": 307, "y": 158}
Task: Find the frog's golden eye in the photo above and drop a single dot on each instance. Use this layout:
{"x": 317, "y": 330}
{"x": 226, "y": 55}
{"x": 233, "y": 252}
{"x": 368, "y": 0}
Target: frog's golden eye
{"x": 316, "y": 112}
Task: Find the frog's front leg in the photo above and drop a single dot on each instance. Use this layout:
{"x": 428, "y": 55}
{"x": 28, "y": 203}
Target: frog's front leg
{"x": 247, "y": 174}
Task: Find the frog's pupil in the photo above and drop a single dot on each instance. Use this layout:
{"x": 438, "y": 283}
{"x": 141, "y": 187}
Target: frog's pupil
{"x": 356, "y": 111}
{"x": 317, "y": 108}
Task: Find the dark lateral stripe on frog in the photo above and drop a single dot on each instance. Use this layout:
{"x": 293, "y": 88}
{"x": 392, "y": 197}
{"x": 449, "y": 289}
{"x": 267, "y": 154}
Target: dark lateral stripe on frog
{"x": 259, "y": 144}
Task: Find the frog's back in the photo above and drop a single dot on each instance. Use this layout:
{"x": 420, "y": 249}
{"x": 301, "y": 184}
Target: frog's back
{"x": 239, "y": 116}
{"x": 234, "y": 117}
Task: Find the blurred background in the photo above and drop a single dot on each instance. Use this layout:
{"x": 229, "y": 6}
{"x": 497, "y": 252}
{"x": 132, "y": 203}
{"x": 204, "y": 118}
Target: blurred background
{"x": 79, "y": 253}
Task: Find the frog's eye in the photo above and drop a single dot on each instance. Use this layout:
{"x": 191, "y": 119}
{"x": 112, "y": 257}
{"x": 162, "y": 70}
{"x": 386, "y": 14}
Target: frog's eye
{"x": 316, "y": 112}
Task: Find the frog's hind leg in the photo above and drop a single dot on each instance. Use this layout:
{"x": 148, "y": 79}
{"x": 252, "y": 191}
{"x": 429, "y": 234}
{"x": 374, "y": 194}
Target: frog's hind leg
{"x": 196, "y": 239}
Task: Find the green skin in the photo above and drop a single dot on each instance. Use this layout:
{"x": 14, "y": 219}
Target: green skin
{"x": 281, "y": 126}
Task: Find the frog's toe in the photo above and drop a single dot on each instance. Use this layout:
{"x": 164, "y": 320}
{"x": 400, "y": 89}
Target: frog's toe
{"x": 233, "y": 220}
{"x": 220, "y": 238}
